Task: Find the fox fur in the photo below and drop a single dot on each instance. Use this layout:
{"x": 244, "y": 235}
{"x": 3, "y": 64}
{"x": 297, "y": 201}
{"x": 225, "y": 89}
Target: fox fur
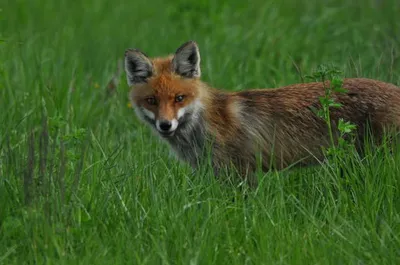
{"x": 277, "y": 123}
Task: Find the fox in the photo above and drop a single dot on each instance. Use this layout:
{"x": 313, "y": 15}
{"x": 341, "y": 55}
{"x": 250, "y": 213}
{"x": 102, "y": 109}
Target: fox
{"x": 277, "y": 125}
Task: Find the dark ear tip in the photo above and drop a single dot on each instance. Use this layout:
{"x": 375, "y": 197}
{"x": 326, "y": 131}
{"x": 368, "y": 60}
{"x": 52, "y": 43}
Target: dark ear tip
{"x": 186, "y": 44}
{"x": 191, "y": 42}
{"x": 128, "y": 51}
{"x": 133, "y": 51}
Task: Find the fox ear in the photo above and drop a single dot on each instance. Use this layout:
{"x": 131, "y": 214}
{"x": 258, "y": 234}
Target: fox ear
{"x": 138, "y": 67}
{"x": 186, "y": 61}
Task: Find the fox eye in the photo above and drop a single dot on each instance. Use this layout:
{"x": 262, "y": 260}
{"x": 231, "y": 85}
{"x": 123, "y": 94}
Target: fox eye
{"x": 151, "y": 100}
{"x": 179, "y": 98}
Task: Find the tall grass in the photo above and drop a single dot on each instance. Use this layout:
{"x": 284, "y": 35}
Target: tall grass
{"x": 83, "y": 182}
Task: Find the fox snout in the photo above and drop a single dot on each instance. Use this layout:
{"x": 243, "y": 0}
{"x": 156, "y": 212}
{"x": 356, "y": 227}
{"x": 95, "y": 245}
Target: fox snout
{"x": 166, "y": 127}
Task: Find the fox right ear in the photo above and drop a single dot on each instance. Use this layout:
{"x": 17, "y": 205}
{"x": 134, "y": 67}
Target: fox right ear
{"x": 138, "y": 67}
{"x": 186, "y": 61}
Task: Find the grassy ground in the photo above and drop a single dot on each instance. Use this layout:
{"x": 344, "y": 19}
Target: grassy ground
{"x": 83, "y": 182}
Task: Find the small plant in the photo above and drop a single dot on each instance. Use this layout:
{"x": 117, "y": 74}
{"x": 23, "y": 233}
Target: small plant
{"x": 333, "y": 83}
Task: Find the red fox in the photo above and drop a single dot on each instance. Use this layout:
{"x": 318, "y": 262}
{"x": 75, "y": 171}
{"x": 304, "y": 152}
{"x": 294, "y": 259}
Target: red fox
{"x": 275, "y": 124}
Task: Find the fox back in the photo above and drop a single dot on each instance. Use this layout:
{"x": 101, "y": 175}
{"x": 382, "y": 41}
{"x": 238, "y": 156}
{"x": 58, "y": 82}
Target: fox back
{"x": 280, "y": 124}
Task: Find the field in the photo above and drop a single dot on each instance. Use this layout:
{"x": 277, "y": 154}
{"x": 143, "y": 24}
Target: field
{"x": 82, "y": 181}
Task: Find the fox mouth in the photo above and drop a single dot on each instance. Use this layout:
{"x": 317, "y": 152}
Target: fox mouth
{"x": 167, "y": 134}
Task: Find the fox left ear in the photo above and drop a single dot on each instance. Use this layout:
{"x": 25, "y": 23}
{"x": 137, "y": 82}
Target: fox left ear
{"x": 138, "y": 67}
{"x": 186, "y": 61}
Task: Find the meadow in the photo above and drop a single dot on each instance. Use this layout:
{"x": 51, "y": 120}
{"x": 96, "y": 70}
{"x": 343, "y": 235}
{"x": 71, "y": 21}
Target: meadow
{"x": 82, "y": 181}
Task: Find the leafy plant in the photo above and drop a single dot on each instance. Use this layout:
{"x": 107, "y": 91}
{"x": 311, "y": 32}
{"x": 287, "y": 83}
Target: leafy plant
{"x": 332, "y": 81}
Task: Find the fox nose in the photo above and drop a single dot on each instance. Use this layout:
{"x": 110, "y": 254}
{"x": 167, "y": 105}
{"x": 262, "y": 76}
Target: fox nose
{"x": 165, "y": 125}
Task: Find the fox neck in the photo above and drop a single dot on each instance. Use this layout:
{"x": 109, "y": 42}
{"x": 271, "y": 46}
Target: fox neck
{"x": 189, "y": 140}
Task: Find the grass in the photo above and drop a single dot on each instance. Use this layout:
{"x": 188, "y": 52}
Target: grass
{"x": 83, "y": 182}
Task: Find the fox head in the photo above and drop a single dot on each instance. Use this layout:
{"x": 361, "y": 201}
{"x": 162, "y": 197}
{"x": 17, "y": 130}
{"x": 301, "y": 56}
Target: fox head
{"x": 165, "y": 91}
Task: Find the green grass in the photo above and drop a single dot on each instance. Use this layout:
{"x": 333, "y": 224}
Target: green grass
{"x": 106, "y": 190}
